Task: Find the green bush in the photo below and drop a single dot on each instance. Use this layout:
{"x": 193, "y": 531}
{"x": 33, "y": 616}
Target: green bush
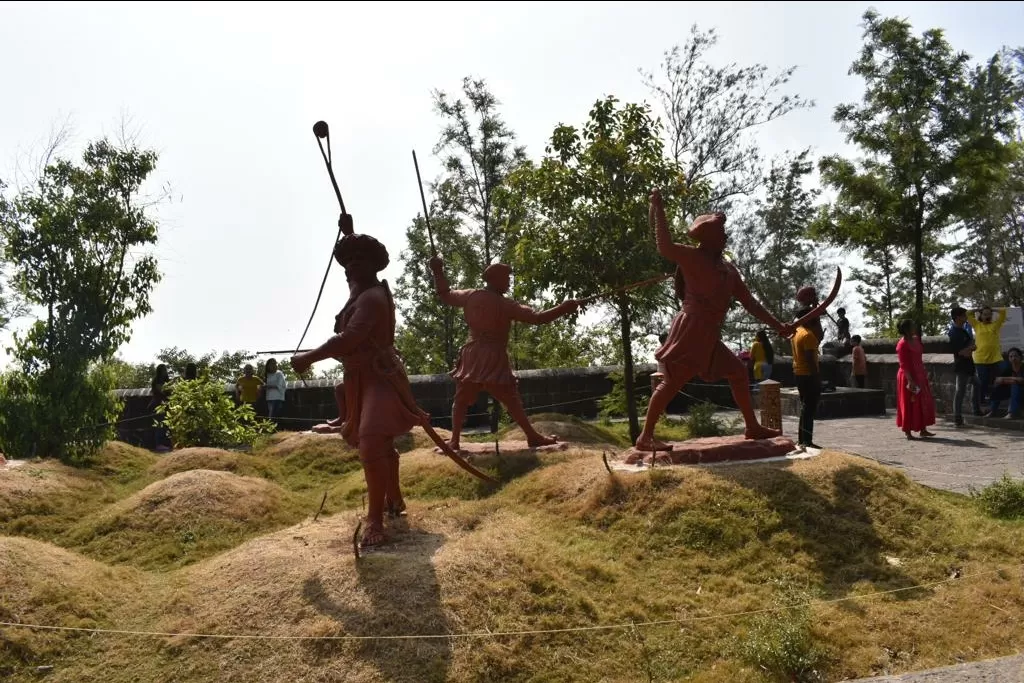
{"x": 1003, "y": 499}
{"x": 701, "y": 421}
{"x": 780, "y": 643}
{"x": 199, "y": 413}
{"x": 614, "y": 404}
{"x": 57, "y": 412}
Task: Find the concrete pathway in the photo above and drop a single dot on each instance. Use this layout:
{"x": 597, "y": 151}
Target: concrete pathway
{"x": 1004, "y": 670}
{"x": 955, "y": 459}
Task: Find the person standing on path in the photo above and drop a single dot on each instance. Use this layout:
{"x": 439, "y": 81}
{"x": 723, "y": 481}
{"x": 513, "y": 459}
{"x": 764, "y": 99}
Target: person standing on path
{"x": 915, "y": 407}
{"x": 807, "y": 375}
{"x": 963, "y": 346}
{"x": 860, "y": 363}
{"x": 989, "y": 352}
{"x": 275, "y": 389}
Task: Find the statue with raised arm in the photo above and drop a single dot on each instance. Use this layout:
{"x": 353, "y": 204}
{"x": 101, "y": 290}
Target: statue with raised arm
{"x": 374, "y": 402}
{"x": 694, "y": 346}
{"x": 483, "y": 363}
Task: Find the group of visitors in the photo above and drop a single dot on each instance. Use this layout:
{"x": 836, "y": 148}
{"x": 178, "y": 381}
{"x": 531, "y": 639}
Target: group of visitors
{"x": 249, "y": 387}
{"x": 979, "y": 363}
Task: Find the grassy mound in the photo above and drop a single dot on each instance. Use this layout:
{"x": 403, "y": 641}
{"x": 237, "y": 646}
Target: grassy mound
{"x": 206, "y": 459}
{"x": 848, "y": 557}
{"x": 186, "y": 516}
{"x": 43, "y": 584}
{"x": 122, "y": 462}
{"x": 42, "y": 500}
{"x": 566, "y": 427}
{"x": 417, "y": 438}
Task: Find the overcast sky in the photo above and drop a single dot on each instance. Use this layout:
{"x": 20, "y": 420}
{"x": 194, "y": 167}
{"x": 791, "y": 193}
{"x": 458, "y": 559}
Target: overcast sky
{"x": 227, "y": 93}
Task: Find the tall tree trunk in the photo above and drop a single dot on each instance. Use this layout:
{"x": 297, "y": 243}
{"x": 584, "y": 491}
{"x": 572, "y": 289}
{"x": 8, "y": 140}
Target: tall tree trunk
{"x": 627, "y": 369}
{"x": 919, "y": 271}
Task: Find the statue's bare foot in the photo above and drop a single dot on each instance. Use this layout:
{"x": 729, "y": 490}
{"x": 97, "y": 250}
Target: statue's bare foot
{"x": 374, "y": 535}
{"x": 539, "y": 440}
{"x": 326, "y": 428}
{"x": 651, "y": 444}
{"x": 758, "y": 432}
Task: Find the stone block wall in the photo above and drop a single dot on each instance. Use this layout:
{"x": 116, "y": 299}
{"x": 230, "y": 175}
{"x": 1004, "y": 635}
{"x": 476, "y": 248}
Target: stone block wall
{"x": 577, "y": 391}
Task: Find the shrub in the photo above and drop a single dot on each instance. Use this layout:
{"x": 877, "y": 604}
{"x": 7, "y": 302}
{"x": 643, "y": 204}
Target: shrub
{"x": 781, "y": 644}
{"x": 1003, "y": 499}
{"x": 59, "y": 413}
{"x": 613, "y": 404}
{"x": 701, "y": 421}
{"x": 199, "y": 413}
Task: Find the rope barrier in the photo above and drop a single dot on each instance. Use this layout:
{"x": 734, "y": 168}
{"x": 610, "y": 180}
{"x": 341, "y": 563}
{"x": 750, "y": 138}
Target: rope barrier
{"x": 499, "y": 634}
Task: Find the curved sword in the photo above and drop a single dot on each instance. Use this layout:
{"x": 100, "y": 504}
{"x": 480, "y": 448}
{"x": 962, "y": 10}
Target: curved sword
{"x": 820, "y": 308}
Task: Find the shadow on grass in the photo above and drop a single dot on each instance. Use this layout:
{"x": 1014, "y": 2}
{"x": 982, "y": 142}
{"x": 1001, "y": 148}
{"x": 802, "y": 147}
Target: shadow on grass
{"x": 400, "y": 584}
{"x": 840, "y": 536}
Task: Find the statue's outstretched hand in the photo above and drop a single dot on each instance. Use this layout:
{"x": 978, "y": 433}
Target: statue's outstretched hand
{"x": 436, "y": 264}
{"x": 299, "y": 363}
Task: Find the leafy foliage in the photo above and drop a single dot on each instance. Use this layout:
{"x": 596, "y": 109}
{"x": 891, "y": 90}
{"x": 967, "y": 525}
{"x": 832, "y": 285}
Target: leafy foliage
{"x": 1003, "y": 499}
{"x": 934, "y": 136}
{"x": 781, "y": 642}
{"x": 773, "y": 252}
{"x": 471, "y": 218}
{"x": 199, "y": 413}
{"x": 76, "y": 241}
{"x": 711, "y": 113}
{"x": 585, "y": 207}
{"x": 700, "y": 421}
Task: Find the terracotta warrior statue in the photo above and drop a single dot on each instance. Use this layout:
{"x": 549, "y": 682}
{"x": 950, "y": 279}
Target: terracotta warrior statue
{"x": 694, "y": 347}
{"x": 375, "y": 402}
{"x": 483, "y": 363}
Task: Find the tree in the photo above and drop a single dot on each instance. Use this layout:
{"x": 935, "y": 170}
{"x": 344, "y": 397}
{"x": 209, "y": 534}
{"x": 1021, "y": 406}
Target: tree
{"x": 432, "y": 333}
{"x": 471, "y": 221}
{"x": 77, "y": 243}
{"x": 477, "y": 151}
{"x": 711, "y": 113}
{"x": 933, "y": 135}
{"x": 586, "y": 204}
{"x": 878, "y": 286}
{"x": 772, "y": 249}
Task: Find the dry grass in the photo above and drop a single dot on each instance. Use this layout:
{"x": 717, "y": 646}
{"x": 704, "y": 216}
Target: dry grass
{"x": 187, "y": 516}
{"x": 561, "y": 544}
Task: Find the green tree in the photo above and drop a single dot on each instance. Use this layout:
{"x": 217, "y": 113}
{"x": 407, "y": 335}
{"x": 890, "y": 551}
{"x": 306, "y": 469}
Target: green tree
{"x": 77, "y": 242}
{"x": 772, "y": 249}
{"x": 432, "y": 333}
{"x": 587, "y": 207}
{"x": 471, "y": 219}
{"x": 933, "y": 134}
{"x": 878, "y": 286}
{"x": 711, "y": 113}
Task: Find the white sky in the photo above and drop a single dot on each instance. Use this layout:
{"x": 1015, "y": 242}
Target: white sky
{"x": 228, "y": 94}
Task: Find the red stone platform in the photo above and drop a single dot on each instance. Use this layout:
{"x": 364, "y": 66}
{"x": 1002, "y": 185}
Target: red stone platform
{"x": 714, "y": 449}
{"x": 474, "y": 448}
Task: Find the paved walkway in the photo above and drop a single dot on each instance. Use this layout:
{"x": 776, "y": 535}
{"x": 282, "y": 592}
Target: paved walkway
{"x": 955, "y": 459}
{"x": 1004, "y": 670}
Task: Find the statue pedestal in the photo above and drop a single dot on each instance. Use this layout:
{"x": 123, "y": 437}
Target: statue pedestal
{"x": 714, "y": 449}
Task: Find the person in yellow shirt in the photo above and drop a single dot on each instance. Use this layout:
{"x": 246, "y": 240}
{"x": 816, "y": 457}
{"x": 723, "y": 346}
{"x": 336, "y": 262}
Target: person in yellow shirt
{"x": 807, "y": 376}
{"x": 762, "y": 356}
{"x": 988, "y": 351}
{"x": 247, "y": 387}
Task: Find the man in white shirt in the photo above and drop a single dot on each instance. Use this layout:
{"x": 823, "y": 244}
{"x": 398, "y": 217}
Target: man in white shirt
{"x": 275, "y": 388}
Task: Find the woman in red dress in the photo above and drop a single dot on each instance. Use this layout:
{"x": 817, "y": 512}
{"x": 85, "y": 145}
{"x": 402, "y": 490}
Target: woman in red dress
{"x": 915, "y": 407}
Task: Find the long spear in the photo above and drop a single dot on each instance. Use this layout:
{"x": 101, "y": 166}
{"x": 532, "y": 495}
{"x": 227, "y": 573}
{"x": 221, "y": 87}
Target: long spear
{"x": 423, "y": 198}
